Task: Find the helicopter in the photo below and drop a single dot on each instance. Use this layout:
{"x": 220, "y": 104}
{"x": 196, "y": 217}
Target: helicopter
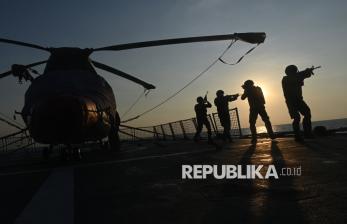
{"x": 69, "y": 103}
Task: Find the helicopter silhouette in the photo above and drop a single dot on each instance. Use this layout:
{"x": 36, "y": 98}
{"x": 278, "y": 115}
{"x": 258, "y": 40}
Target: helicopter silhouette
{"x": 70, "y": 103}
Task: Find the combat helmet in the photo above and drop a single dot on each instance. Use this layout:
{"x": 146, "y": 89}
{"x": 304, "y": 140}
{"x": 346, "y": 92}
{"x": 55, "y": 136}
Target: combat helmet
{"x": 291, "y": 69}
{"x": 247, "y": 84}
{"x": 220, "y": 93}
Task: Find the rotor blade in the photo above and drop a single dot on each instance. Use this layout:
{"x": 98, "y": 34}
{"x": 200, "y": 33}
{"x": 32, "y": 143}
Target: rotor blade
{"x": 253, "y": 38}
{"x": 2, "y": 75}
{"x": 123, "y": 74}
{"x": 23, "y": 44}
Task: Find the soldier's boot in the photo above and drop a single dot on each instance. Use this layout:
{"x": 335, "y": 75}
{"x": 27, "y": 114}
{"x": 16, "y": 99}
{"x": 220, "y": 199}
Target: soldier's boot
{"x": 196, "y": 137}
{"x": 306, "y": 123}
{"x": 269, "y": 130}
{"x": 209, "y": 136}
{"x": 254, "y": 133}
{"x": 230, "y": 139}
{"x": 296, "y": 128}
{"x": 210, "y": 141}
{"x": 226, "y": 135}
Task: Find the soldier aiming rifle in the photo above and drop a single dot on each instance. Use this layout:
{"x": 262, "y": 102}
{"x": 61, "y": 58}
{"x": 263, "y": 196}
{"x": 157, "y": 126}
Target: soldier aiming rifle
{"x": 222, "y": 104}
{"x": 201, "y": 118}
{"x": 256, "y": 102}
{"x": 292, "y": 89}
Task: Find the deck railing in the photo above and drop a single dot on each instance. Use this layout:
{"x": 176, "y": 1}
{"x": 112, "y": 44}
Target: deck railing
{"x": 16, "y": 141}
{"x": 182, "y": 129}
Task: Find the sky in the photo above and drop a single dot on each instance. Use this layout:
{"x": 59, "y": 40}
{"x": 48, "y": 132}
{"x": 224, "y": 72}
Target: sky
{"x": 303, "y": 33}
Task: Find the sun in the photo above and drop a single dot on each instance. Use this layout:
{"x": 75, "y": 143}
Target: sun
{"x": 265, "y": 91}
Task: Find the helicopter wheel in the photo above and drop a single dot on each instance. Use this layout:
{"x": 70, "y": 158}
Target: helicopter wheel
{"x": 70, "y": 153}
{"x": 47, "y": 151}
{"x": 103, "y": 145}
{"x": 64, "y": 153}
{"x": 76, "y": 153}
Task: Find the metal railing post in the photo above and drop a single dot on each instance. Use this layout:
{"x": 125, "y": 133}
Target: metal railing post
{"x": 155, "y": 135}
{"x": 214, "y": 121}
{"x": 213, "y": 124}
{"x": 238, "y": 121}
{"x": 6, "y": 145}
{"x": 162, "y": 129}
{"x": 183, "y": 131}
{"x": 172, "y": 132}
{"x": 133, "y": 135}
{"x": 195, "y": 124}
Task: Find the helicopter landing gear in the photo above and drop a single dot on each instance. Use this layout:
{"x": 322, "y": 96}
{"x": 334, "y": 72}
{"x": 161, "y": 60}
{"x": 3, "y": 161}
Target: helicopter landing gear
{"x": 113, "y": 135}
{"x": 47, "y": 151}
{"x": 64, "y": 154}
{"x": 70, "y": 153}
{"x": 76, "y": 154}
{"x": 114, "y": 141}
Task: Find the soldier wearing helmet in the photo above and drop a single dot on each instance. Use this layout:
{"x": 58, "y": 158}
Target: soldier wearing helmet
{"x": 292, "y": 89}
{"x": 256, "y": 101}
{"x": 201, "y": 118}
{"x": 222, "y": 104}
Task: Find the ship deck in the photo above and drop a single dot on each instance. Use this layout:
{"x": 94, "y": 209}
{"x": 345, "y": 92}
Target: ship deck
{"x": 142, "y": 184}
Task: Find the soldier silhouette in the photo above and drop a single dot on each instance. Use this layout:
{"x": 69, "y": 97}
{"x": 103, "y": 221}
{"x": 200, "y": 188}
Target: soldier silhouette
{"x": 292, "y": 89}
{"x": 222, "y": 104}
{"x": 256, "y": 102}
{"x": 201, "y": 118}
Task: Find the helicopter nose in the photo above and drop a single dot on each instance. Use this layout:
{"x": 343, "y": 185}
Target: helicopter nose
{"x": 58, "y": 119}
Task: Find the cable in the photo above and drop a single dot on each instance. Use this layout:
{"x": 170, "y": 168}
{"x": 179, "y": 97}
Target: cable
{"x": 131, "y": 107}
{"x": 198, "y": 76}
{"x": 240, "y": 59}
{"x": 11, "y": 120}
{"x": 11, "y": 124}
{"x": 189, "y": 83}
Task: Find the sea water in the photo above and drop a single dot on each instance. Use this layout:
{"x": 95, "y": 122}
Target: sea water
{"x": 329, "y": 124}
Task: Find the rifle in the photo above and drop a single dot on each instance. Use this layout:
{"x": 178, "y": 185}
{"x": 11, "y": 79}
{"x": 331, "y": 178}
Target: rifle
{"x": 235, "y": 96}
{"x": 313, "y": 68}
{"x": 205, "y": 98}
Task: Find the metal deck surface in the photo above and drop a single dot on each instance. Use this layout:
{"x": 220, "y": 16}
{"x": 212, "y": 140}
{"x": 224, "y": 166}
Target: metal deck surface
{"x": 143, "y": 184}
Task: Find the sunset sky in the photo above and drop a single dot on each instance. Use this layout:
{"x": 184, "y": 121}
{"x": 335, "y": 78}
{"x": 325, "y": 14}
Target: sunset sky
{"x": 304, "y": 33}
